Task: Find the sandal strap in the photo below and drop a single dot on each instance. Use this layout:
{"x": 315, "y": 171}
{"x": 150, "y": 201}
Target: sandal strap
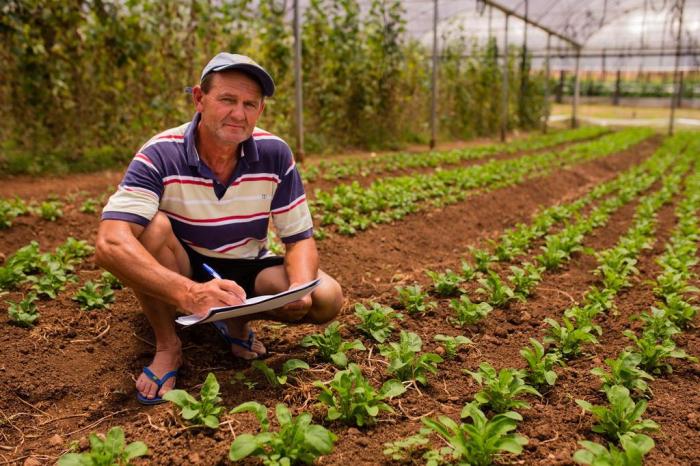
{"x": 159, "y": 381}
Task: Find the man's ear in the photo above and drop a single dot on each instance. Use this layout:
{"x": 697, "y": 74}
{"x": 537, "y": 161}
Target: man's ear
{"x": 197, "y": 96}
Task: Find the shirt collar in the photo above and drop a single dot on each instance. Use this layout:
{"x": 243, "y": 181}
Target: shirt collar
{"x": 249, "y": 148}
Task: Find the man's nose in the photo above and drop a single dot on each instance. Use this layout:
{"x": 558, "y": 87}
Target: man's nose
{"x": 238, "y": 112}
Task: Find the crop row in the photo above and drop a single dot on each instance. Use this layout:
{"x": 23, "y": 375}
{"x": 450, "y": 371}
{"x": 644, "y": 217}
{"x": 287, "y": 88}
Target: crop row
{"x": 50, "y": 209}
{"x": 333, "y": 170}
{"x": 350, "y": 208}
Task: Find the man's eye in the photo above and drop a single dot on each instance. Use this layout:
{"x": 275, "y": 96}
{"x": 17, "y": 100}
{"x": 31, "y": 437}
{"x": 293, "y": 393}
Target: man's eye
{"x": 227, "y": 100}
{"x": 251, "y": 105}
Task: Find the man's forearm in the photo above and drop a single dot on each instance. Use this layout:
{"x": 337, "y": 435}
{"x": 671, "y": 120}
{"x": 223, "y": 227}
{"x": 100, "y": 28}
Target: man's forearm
{"x": 301, "y": 261}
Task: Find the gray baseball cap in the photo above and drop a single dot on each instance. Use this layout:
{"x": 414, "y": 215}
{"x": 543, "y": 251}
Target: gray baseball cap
{"x": 232, "y": 61}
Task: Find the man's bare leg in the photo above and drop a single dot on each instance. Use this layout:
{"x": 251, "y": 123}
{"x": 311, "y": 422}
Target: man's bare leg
{"x": 159, "y": 240}
{"x": 326, "y": 301}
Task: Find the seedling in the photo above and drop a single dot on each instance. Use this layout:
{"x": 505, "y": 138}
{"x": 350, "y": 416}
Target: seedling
{"x": 499, "y": 294}
{"x": 413, "y": 299}
{"x": 500, "y": 390}
{"x": 239, "y": 377}
{"x": 658, "y": 324}
{"x": 89, "y": 206}
{"x": 406, "y": 363}
{"x": 467, "y": 312}
{"x": 654, "y": 354}
{"x": 679, "y": 311}
{"x": 624, "y": 371}
{"x": 73, "y": 250}
{"x": 445, "y": 284}
{"x": 94, "y": 296}
{"x": 53, "y": 279}
{"x": 110, "y": 281}
{"x": 108, "y": 451}
{"x": 568, "y": 338}
{"x": 482, "y": 259}
{"x": 330, "y": 344}
{"x": 524, "y": 280}
{"x": 352, "y": 399}
{"x": 377, "y": 321}
{"x": 622, "y": 415}
{"x": 452, "y": 344}
{"x": 540, "y": 364}
{"x": 50, "y": 210}
{"x": 296, "y": 441}
{"x": 23, "y": 313}
{"x": 202, "y": 412}
{"x": 481, "y": 441}
{"x": 275, "y": 380}
{"x": 634, "y": 447}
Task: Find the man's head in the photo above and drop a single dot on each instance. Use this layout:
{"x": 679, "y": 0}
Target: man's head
{"x": 230, "y": 98}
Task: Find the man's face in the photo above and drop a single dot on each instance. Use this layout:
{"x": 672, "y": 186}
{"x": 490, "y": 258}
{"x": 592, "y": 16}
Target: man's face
{"x": 231, "y": 107}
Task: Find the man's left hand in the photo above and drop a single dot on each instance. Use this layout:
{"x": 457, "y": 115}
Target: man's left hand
{"x": 296, "y": 310}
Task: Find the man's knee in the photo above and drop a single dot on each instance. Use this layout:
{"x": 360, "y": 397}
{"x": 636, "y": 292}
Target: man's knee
{"x": 327, "y": 302}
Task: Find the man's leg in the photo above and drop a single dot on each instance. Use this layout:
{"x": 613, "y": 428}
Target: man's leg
{"x": 159, "y": 240}
{"x": 327, "y": 299}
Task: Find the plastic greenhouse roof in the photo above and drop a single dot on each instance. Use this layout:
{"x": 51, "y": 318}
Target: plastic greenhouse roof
{"x": 635, "y": 34}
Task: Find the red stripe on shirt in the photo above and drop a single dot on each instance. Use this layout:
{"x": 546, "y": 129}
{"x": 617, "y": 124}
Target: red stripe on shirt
{"x": 215, "y": 220}
{"x": 290, "y": 207}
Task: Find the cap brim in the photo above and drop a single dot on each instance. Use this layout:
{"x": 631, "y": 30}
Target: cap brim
{"x": 266, "y": 83}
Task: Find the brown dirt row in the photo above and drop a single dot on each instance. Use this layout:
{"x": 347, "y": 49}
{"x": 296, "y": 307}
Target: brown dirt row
{"x": 50, "y": 370}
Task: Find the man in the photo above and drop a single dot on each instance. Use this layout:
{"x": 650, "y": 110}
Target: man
{"x": 203, "y": 193}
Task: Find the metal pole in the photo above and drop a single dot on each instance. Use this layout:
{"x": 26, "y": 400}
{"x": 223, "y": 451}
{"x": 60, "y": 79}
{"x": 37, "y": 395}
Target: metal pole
{"x": 676, "y": 88}
{"x": 433, "y": 81}
{"x": 504, "y": 87}
{"x": 577, "y": 83}
{"x": 298, "y": 95}
{"x": 546, "y": 86}
{"x": 523, "y": 72}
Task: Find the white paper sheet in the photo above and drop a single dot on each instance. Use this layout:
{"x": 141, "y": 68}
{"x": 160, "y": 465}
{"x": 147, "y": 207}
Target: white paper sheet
{"x": 251, "y": 306}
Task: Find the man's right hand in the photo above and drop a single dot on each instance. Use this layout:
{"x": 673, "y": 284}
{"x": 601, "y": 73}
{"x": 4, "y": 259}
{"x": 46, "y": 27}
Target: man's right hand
{"x": 214, "y": 293}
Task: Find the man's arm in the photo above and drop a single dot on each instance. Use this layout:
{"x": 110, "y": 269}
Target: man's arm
{"x": 119, "y": 250}
{"x": 301, "y": 266}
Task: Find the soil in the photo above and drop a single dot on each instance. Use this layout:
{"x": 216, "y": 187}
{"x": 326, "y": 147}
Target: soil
{"x": 74, "y": 372}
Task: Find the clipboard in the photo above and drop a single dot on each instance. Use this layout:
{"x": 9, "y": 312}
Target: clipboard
{"x": 250, "y": 306}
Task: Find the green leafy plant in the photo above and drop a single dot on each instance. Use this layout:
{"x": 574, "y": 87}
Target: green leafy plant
{"x": 110, "y": 281}
{"x": 94, "y": 296}
{"x": 108, "y": 451}
{"x": 50, "y": 210}
{"x": 634, "y": 447}
{"x": 73, "y": 250}
{"x": 481, "y": 441}
{"x": 413, "y": 299}
{"x": 499, "y": 294}
{"x": 11, "y": 209}
{"x": 377, "y": 321}
{"x": 331, "y": 346}
{"x": 405, "y": 361}
{"x": 622, "y": 415}
{"x": 53, "y": 278}
{"x": 351, "y": 398}
{"x": 23, "y": 313}
{"x": 500, "y": 390}
{"x": 272, "y": 378}
{"x": 447, "y": 283}
{"x": 540, "y": 364}
{"x": 658, "y": 324}
{"x": 624, "y": 371}
{"x": 202, "y": 412}
{"x": 452, "y": 344}
{"x": 525, "y": 279}
{"x": 296, "y": 441}
{"x": 680, "y": 311}
{"x": 467, "y": 312}
{"x": 654, "y": 355}
{"x": 568, "y": 338}
{"x": 89, "y": 206}
{"x": 482, "y": 259}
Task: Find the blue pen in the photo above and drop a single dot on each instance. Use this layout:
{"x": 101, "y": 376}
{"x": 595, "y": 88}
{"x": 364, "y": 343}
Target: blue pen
{"x": 211, "y": 271}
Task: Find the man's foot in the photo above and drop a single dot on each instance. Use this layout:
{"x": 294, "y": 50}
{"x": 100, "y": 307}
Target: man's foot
{"x": 165, "y": 360}
{"x": 246, "y": 345}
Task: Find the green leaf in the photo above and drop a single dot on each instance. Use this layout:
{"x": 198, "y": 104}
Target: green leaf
{"x": 135, "y": 449}
{"x": 244, "y": 445}
{"x": 392, "y": 388}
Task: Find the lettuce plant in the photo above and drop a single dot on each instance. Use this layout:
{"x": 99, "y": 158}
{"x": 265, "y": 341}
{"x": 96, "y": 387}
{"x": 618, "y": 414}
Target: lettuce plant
{"x": 405, "y": 361}
{"x": 500, "y": 390}
{"x": 634, "y": 447}
{"x": 202, "y": 412}
{"x": 468, "y": 313}
{"x": 272, "y": 378}
{"x": 624, "y": 371}
{"x": 525, "y": 279}
{"x": 540, "y": 364}
{"x": 621, "y": 416}
{"x": 377, "y": 321}
{"x": 108, "y": 451}
{"x": 452, "y": 344}
{"x": 655, "y": 354}
{"x": 352, "y": 399}
{"x": 499, "y": 294}
{"x": 413, "y": 299}
{"x": 446, "y": 283}
{"x": 24, "y": 313}
{"x": 330, "y": 345}
{"x": 94, "y": 296}
{"x": 297, "y": 441}
{"x": 568, "y": 338}
{"x": 481, "y": 441}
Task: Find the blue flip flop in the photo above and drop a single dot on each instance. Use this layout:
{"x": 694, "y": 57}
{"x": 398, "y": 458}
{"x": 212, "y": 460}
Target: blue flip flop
{"x": 245, "y": 344}
{"x": 159, "y": 381}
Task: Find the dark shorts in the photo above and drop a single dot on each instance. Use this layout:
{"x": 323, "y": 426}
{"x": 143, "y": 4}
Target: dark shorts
{"x": 241, "y": 271}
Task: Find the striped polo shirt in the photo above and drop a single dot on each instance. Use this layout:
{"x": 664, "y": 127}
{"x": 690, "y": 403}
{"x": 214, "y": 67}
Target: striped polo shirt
{"x": 225, "y": 221}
